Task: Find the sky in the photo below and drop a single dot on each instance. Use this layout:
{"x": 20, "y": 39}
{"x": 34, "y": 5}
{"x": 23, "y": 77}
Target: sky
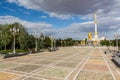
{"x": 63, "y": 18}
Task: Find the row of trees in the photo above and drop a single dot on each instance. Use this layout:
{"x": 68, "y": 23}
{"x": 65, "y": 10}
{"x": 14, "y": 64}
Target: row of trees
{"x": 110, "y": 42}
{"x": 6, "y": 37}
{"x": 25, "y": 41}
{"x": 106, "y": 42}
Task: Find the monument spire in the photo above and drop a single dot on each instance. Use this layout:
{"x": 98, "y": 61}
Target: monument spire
{"x": 95, "y": 22}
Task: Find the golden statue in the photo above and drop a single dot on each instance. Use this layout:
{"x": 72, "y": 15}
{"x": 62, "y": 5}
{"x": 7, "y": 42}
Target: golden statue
{"x": 89, "y": 36}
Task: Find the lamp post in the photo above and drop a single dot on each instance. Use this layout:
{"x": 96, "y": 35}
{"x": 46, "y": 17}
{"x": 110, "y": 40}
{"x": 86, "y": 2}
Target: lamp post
{"x": 0, "y": 34}
{"x": 61, "y": 43}
{"x": 52, "y": 39}
{"x": 54, "y": 43}
{"x": 65, "y": 43}
{"x": 36, "y": 43}
{"x": 42, "y": 39}
{"x": 110, "y": 43}
{"x": 116, "y": 37}
{"x": 14, "y": 32}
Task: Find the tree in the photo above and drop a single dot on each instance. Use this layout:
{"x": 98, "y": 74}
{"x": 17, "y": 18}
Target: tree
{"x": 1, "y": 28}
{"x": 30, "y": 42}
{"x": 104, "y": 42}
{"x": 47, "y": 41}
{"x": 6, "y": 36}
{"x": 41, "y": 41}
{"x": 23, "y": 37}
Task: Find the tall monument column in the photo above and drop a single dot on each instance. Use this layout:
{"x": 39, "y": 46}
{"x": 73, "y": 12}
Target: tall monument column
{"x": 95, "y": 22}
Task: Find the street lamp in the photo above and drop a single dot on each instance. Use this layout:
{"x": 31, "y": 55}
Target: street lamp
{"x": 36, "y": 43}
{"x": 14, "y": 32}
{"x": 42, "y": 39}
{"x": 52, "y": 44}
{"x": 0, "y": 34}
{"x": 65, "y": 43}
{"x": 110, "y": 43}
{"x": 116, "y": 37}
{"x": 61, "y": 43}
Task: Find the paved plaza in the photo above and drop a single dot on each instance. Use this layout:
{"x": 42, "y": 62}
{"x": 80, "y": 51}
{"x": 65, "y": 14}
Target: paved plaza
{"x": 68, "y": 63}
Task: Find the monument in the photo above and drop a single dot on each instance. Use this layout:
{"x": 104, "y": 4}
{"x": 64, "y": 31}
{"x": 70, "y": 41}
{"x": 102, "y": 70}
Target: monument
{"x": 90, "y": 36}
{"x": 95, "y": 22}
{"x": 89, "y": 39}
{"x": 96, "y": 40}
{"x": 93, "y": 40}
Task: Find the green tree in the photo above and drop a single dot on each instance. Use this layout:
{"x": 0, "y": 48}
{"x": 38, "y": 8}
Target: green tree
{"x": 23, "y": 38}
{"x": 30, "y": 42}
{"x": 47, "y": 41}
{"x": 6, "y": 36}
{"x": 104, "y": 42}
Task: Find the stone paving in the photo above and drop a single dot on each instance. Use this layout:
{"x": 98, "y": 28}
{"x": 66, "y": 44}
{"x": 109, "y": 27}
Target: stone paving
{"x": 68, "y": 63}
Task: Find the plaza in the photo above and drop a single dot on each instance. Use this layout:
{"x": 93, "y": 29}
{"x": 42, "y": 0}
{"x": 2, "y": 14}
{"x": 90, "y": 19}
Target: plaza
{"x": 68, "y": 63}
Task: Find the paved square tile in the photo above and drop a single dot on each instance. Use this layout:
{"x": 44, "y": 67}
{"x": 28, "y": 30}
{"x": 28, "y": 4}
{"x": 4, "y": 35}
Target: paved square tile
{"x": 85, "y": 75}
{"x": 68, "y": 63}
{"x": 59, "y": 72}
{"x": 7, "y": 76}
{"x": 31, "y": 78}
{"x": 96, "y": 67}
{"x": 27, "y": 68}
{"x": 7, "y": 65}
{"x": 44, "y": 62}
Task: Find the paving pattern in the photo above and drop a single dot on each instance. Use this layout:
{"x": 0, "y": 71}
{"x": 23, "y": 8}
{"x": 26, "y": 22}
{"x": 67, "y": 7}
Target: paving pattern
{"x": 68, "y": 63}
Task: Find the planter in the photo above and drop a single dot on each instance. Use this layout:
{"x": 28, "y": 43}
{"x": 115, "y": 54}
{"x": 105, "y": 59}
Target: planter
{"x": 8, "y": 55}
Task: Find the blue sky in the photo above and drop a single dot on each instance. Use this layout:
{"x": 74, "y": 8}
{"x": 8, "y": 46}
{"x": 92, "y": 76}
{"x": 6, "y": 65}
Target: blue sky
{"x": 62, "y": 18}
{"x": 34, "y": 15}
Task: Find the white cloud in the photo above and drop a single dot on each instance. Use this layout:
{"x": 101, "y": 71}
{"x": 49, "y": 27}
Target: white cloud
{"x": 27, "y": 13}
{"x": 74, "y": 30}
{"x": 27, "y": 24}
{"x": 63, "y": 8}
{"x": 113, "y": 27}
{"x": 10, "y": 9}
{"x": 60, "y": 16}
{"x": 29, "y": 4}
{"x": 118, "y": 18}
{"x": 43, "y": 17}
{"x": 107, "y": 12}
{"x": 11, "y": 1}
